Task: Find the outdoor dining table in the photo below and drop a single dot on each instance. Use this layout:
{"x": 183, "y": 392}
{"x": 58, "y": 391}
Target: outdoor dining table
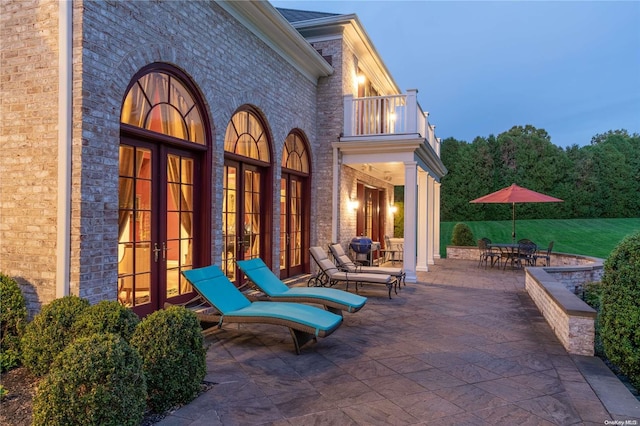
{"x": 508, "y": 250}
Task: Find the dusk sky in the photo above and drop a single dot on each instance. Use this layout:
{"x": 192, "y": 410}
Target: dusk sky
{"x": 480, "y": 67}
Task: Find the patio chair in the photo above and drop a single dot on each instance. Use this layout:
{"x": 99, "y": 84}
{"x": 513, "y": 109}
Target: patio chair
{"x": 486, "y": 253}
{"x": 526, "y": 252}
{"x": 305, "y": 322}
{"x": 345, "y": 263}
{"x": 389, "y": 252}
{"x": 333, "y": 300}
{"x": 329, "y": 274}
{"x": 546, "y": 255}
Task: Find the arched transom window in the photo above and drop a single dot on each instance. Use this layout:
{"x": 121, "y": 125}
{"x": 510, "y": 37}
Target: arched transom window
{"x": 294, "y": 156}
{"x": 246, "y": 136}
{"x": 160, "y": 103}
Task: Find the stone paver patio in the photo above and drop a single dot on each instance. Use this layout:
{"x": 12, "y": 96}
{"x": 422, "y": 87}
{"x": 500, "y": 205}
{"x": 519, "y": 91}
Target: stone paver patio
{"x": 463, "y": 346}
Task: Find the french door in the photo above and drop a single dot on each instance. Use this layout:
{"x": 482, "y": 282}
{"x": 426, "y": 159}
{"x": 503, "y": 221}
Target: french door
{"x": 243, "y": 221}
{"x": 371, "y": 213}
{"x": 158, "y": 217}
{"x": 293, "y": 237}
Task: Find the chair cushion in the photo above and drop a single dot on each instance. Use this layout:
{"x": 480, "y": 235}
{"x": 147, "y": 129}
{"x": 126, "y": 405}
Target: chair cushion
{"x": 307, "y": 315}
{"x": 332, "y": 294}
{"x": 260, "y": 274}
{"x": 381, "y": 270}
{"x": 216, "y": 288}
{"x": 367, "y": 277}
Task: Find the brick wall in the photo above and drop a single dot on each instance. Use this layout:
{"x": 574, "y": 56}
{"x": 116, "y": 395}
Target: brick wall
{"x": 28, "y": 137}
{"x": 330, "y": 118}
{"x": 113, "y": 40}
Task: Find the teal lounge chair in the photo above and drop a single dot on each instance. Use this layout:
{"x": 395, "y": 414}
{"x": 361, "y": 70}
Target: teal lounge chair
{"x": 304, "y": 322}
{"x": 333, "y": 300}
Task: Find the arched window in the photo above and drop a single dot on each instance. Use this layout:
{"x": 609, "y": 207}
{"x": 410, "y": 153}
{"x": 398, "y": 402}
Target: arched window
{"x": 161, "y": 103}
{"x": 295, "y": 156}
{"x": 246, "y": 136}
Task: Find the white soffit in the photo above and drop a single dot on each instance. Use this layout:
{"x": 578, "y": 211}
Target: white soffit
{"x": 263, "y": 20}
{"x": 351, "y": 30}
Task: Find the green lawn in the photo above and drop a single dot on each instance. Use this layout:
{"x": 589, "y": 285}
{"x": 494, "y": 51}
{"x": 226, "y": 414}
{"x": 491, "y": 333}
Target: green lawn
{"x": 592, "y": 237}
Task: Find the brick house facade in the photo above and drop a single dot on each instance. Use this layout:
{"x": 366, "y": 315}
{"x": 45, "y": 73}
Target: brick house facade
{"x": 66, "y": 70}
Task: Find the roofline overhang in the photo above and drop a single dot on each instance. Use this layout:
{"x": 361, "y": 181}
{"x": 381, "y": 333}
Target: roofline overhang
{"x": 264, "y": 21}
{"x": 350, "y": 28}
{"x": 386, "y": 149}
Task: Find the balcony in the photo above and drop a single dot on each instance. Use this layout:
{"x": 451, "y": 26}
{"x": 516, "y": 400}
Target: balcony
{"x": 388, "y": 118}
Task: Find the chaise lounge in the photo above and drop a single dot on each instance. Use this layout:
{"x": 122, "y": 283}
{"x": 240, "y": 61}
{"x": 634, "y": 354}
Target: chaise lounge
{"x": 333, "y": 300}
{"x": 329, "y": 275}
{"x": 345, "y": 263}
{"x": 305, "y": 322}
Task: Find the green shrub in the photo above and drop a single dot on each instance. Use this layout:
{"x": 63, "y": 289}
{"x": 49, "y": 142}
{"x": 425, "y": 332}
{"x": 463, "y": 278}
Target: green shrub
{"x": 106, "y": 317}
{"x": 50, "y": 332}
{"x": 13, "y": 319}
{"x": 592, "y": 295}
{"x": 462, "y": 235}
{"x": 620, "y": 309}
{"x": 171, "y": 345}
{"x": 96, "y": 380}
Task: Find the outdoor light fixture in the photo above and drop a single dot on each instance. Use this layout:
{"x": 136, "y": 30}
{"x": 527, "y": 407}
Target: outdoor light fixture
{"x": 361, "y": 79}
{"x": 353, "y": 204}
{"x": 393, "y": 209}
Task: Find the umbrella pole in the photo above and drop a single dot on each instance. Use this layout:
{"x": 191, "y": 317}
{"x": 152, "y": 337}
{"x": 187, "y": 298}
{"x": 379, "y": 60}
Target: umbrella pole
{"x": 513, "y": 214}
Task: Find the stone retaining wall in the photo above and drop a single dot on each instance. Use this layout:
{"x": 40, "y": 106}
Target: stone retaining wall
{"x": 572, "y": 320}
{"x": 554, "y": 290}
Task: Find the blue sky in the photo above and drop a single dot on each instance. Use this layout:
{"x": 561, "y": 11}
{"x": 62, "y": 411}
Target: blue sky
{"x": 481, "y": 67}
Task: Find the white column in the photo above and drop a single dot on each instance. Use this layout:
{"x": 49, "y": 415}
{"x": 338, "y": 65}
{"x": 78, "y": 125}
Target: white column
{"x": 410, "y": 226}
{"x": 423, "y": 216}
{"x": 430, "y": 220}
{"x": 436, "y": 218}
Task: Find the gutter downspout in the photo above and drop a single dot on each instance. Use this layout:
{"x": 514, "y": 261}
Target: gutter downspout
{"x": 65, "y": 115}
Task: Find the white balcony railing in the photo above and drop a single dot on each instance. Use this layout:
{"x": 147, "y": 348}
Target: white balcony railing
{"x": 388, "y": 115}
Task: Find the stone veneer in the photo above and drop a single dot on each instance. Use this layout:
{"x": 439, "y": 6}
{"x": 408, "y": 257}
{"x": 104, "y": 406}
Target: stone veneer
{"x": 572, "y": 320}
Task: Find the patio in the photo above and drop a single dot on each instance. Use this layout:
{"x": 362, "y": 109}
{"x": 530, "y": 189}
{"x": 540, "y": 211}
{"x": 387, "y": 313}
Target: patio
{"x": 464, "y": 345}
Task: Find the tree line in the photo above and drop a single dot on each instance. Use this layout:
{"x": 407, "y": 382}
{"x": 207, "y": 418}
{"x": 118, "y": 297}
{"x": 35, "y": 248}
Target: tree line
{"x": 599, "y": 180}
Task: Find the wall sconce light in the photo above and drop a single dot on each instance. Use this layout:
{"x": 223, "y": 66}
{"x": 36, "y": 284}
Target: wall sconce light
{"x": 360, "y": 78}
{"x": 353, "y": 204}
{"x": 393, "y": 209}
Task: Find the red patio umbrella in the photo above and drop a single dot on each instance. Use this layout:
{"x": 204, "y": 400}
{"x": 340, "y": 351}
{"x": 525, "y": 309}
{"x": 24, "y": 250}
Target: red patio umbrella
{"x": 516, "y": 194}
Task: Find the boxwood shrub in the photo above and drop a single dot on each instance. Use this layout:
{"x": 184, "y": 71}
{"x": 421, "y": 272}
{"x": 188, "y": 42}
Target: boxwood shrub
{"x": 172, "y": 348}
{"x": 462, "y": 235}
{"x": 50, "y": 332}
{"x": 620, "y": 308}
{"x": 106, "y": 317}
{"x": 96, "y": 380}
{"x": 13, "y": 319}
